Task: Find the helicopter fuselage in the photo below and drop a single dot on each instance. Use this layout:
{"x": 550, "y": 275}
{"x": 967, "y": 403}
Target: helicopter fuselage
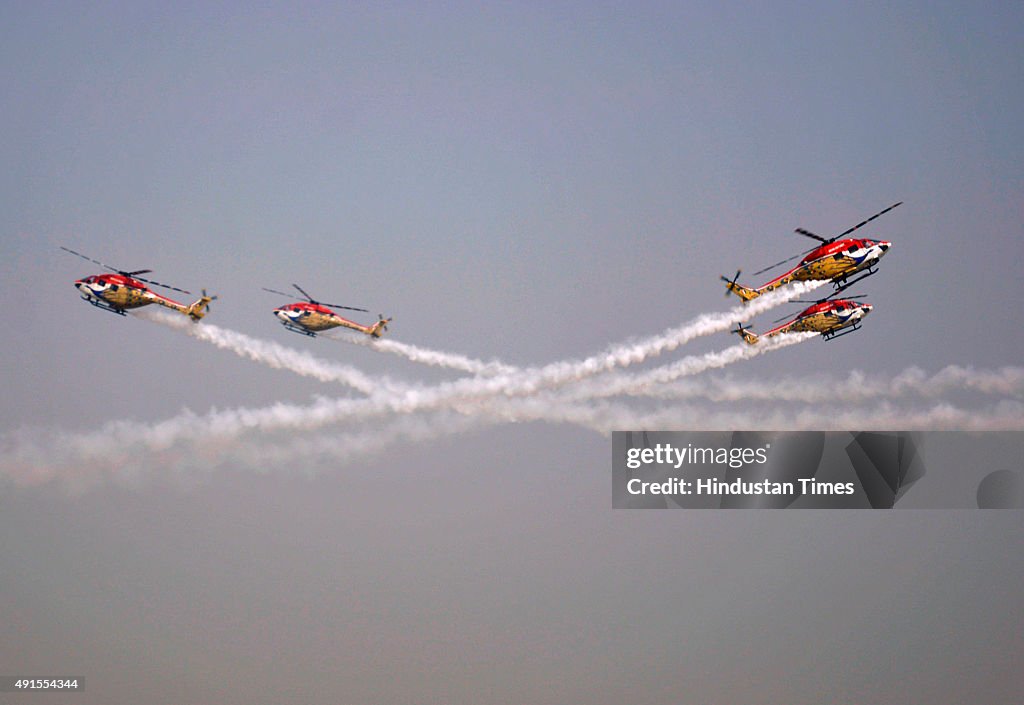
{"x": 834, "y": 261}
{"x": 121, "y": 292}
{"x": 311, "y": 318}
{"x": 832, "y": 318}
{"x": 825, "y": 317}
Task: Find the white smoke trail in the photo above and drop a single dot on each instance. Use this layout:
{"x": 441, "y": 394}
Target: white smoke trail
{"x": 30, "y": 457}
{"x": 527, "y": 381}
{"x": 505, "y": 396}
{"x": 350, "y": 446}
{"x": 1005, "y": 380}
{"x": 516, "y": 382}
{"x": 125, "y": 438}
{"x": 621, "y": 355}
{"x": 1005, "y": 415}
{"x": 650, "y": 382}
{"x": 625, "y": 354}
{"x": 474, "y": 394}
{"x": 198, "y": 441}
{"x": 381, "y": 399}
{"x": 385, "y": 396}
{"x": 426, "y": 356}
{"x": 857, "y": 386}
{"x": 268, "y": 353}
{"x": 117, "y": 442}
{"x": 341, "y": 449}
{"x": 188, "y": 442}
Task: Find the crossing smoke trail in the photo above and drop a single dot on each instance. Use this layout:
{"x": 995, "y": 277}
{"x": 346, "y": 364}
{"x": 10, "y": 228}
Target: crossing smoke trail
{"x": 857, "y": 386}
{"x": 117, "y": 451}
{"x": 268, "y": 353}
{"x": 473, "y": 394}
{"x": 121, "y": 437}
{"x": 621, "y": 355}
{"x": 1005, "y": 415}
{"x": 605, "y": 418}
{"x": 117, "y": 445}
{"x": 399, "y": 398}
{"x": 351, "y": 446}
{"x": 649, "y": 382}
{"x": 517, "y": 382}
{"x": 531, "y": 380}
{"x": 426, "y": 356}
{"x": 527, "y": 394}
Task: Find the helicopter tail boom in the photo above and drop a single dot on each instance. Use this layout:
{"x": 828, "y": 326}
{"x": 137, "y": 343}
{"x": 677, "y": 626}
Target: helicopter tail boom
{"x": 197, "y": 309}
{"x": 741, "y": 291}
{"x": 376, "y": 329}
{"x": 749, "y": 337}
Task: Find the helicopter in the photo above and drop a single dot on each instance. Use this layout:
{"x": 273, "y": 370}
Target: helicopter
{"x": 310, "y": 317}
{"x": 835, "y": 259}
{"x": 123, "y": 290}
{"x": 831, "y": 317}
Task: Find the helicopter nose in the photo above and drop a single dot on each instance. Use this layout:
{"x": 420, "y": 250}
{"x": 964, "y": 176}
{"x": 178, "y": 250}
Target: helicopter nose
{"x": 281, "y": 314}
{"x": 867, "y": 309}
{"x": 884, "y": 246}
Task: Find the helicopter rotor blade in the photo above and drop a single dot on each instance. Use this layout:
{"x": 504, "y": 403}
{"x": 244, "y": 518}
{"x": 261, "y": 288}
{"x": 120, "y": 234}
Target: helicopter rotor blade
{"x": 825, "y": 241}
{"x": 90, "y": 259}
{"x": 165, "y": 286}
{"x": 862, "y": 224}
{"x": 731, "y": 282}
{"x": 302, "y": 291}
{"x": 808, "y": 233}
{"x": 132, "y": 274}
{"x": 211, "y": 300}
{"x": 311, "y": 300}
{"x": 777, "y": 264}
{"x": 350, "y": 308}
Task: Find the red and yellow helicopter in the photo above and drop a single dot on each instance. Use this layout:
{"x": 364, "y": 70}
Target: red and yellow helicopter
{"x": 310, "y": 317}
{"x": 835, "y": 259}
{"x": 123, "y": 290}
{"x": 827, "y": 316}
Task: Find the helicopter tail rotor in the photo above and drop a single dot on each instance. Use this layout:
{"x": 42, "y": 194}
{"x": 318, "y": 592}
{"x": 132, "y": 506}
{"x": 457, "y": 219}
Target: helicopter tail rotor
{"x": 730, "y": 284}
{"x": 381, "y": 325}
{"x": 200, "y": 307}
{"x": 741, "y": 291}
{"x": 749, "y": 337}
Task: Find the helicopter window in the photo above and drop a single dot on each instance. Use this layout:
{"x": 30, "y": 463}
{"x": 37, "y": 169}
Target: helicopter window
{"x": 838, "y": 255}
{"x": 851, "y": 248}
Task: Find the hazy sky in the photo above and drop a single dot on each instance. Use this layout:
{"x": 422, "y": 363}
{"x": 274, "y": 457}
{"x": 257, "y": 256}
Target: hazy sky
{"x": 524, "y": 181}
